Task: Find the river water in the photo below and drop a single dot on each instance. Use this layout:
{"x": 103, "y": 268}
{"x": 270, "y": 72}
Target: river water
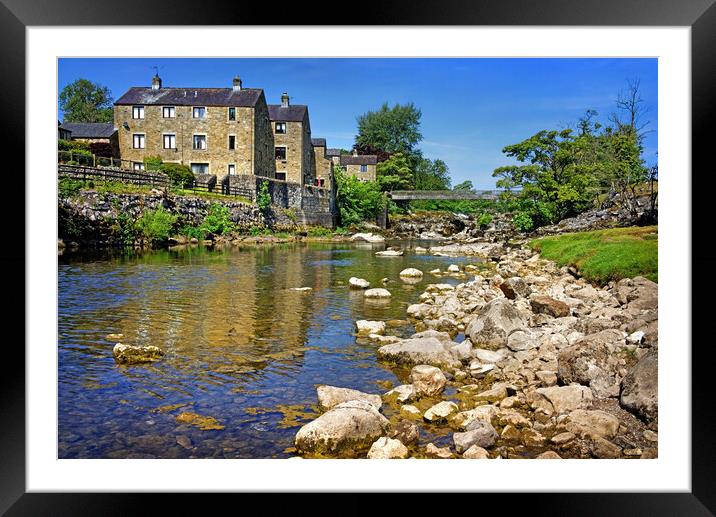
{"x": 241, "y": 346}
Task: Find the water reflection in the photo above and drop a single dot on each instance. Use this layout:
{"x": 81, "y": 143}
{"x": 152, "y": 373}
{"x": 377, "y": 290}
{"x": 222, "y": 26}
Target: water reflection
{"x": 241, "y": 345}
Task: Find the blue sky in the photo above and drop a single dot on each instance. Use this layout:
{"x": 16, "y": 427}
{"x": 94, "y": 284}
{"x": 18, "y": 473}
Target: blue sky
{"x": 471, "y": 108}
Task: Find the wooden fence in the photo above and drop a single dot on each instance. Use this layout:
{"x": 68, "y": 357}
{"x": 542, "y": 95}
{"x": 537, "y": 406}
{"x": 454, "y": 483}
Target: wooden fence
{"x": 83, "y": 173}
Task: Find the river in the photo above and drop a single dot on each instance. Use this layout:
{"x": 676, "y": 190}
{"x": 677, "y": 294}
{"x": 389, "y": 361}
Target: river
{"x": 241, "y": 345}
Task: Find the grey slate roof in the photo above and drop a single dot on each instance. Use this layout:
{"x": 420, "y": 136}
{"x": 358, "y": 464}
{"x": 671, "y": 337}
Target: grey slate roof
{"x": 89, "y": 129}
{"x": 318, "y": 142}
{"x": 246, "y": 97}
{"x": 290, "y": 114}
{"x": 333, "y": 152}
{"x": 365, "y": 159}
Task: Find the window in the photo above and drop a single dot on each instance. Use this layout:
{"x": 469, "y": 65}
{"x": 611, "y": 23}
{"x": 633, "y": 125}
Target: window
{"x": 232, "y": 113}
{"x": 281, "y": 128}
{"x": 364, "y": 168}
{"x": 200, "y": 142}
{"x": 281, "y": 176}
{"x": 137, "y": 111}
{"x": 138, "y": 141}
{"x": 232, "y": 169}
{"x": 138, "y": 166}
{"x": 232, "y": 142}
{"x": 169, "y": 112}
{"x": 200, "y": 168}
{"x": 170, "y": 141}
{"x": 281, "y": 153}
{"x": 199, "y": 112}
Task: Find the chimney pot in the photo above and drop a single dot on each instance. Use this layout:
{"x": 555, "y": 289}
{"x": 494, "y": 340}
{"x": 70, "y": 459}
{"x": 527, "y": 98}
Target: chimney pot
{"x": 237, "y": 84}
{"x": 284, "y": 100}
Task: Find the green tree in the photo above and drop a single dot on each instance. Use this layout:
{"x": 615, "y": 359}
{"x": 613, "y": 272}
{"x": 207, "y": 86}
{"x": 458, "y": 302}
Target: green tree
{"x": 465, "y": 185}
{"x": 392, "y": 130}
{"x": 432, "y": 175}
{"x": 395, "y": 173}
{"x": 357, "y": 200}
{"x": 85, "y": 101}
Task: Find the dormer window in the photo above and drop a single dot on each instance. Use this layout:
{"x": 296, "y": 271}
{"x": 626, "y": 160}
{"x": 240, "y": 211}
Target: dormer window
{"x": 137, "y": 111}
{"x": 198, "y": 112}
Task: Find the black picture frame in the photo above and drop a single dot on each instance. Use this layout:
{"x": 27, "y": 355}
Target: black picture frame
{"x": 700, "y": 15}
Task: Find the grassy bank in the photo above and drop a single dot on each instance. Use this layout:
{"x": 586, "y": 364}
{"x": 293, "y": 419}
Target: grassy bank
{"x": 605, "y": 255}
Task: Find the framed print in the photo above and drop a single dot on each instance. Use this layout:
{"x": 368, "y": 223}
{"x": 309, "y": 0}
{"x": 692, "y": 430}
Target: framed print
{"x": 274, "y": 251}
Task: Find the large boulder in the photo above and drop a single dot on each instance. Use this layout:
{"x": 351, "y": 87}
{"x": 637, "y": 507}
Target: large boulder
{"x": 590, "y": 362}
{"x": 480, "y": 433}
{"x": 390, "y": 253}
{"x": 428, "y": 350}
{"x": 367, "y": 237}
{"x": 345, "y": 430}
{"x": 441, "y": 411}
{"x": 639, "y": 389}
{"x": 130, "y": 354}
{"x": 493, "y": 324}
{"x": 385, "y": 448}
{"x": 514, "y": 287}
{"x": 330, "y": 396}
{"x": 427, "y": 380}
{"x": 567, "y": 398}
{"x": 367, "y": 327}
{"x": 465, "y": 418}
{"x": 550, "y": 306}
{"x": 411, "y": 272}
{"x": 592, "y": 424}
{"x": 377, "y": 292}
{"x": 358, "y": 283}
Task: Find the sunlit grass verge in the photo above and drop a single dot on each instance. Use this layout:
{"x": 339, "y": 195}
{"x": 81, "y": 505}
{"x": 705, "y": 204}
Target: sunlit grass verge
{"x": 605, "y": 255}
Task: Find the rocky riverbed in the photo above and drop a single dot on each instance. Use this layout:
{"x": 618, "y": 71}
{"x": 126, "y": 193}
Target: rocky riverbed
{"x": 527, "y": 361}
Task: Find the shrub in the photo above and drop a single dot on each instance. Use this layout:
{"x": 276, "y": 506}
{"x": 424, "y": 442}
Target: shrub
{"x": 152, "y": 163}
{"x": 155, "y": 225}
{"x": 357, "y": 201}
{"x": 103, "y": 149}
{"x": 484, "y": 220}
{"x": 67, "y": 187}
{"x": 318, "y": 231}
{"x": 180, "y": 175}
{"x": 263, "y": 198}
{"x": 193, "y": 232}
{"x": 522, "y": 221}
{"x": 218, "y": 220}
{"x": 73, "y": 145}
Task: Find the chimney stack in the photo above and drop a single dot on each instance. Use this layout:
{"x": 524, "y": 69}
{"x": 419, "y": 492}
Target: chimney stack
{"x": 355, "y": 152}
{"x": 237, "y": 84}
{"x": 156, "y": 82}
{"x": 284, "y": 100}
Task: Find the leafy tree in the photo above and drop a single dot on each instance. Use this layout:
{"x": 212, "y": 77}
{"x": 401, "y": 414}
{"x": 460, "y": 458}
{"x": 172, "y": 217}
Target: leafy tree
{"x": 357, "y": 200}
{"x": 465, "y": 185}
{"x": 85, "y": 101}
{"x": 432, "y": 175}
{"x": 392, "y": 130}
{"x": 395, "y": 173}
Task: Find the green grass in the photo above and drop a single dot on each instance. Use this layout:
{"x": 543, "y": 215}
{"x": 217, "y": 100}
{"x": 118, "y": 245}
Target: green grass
{"x": 605, "y": 255}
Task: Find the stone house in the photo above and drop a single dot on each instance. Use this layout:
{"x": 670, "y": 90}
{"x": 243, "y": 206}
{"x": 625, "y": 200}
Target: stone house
{"x": 62, "y": 132}
{"x": 215, "y": 131}
{"x": 93, "y": 132}
{"x": 322, "y": 164}
{"x": 293, "y": 151}
{"x": 362, "y": 166}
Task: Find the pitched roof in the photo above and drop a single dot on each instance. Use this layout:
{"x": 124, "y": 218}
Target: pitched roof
{"x": 89, "y": 129}
{"x": 294, "y": 113}
{"x": 318, "y": 142}
{"x": 246, "y": 97}
{"x": 333, "y": 152}
{"x": 364, "y": 159}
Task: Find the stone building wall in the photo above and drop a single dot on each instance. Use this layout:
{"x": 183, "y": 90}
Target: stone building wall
{"x": 250, "y": 133}
{"x": 365, "y": 176}
{"x": 322, "y": 166}
{"x": 263, "y": 141}
{"x": 293, "y": 141}
{"x": 308, "y": 172}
